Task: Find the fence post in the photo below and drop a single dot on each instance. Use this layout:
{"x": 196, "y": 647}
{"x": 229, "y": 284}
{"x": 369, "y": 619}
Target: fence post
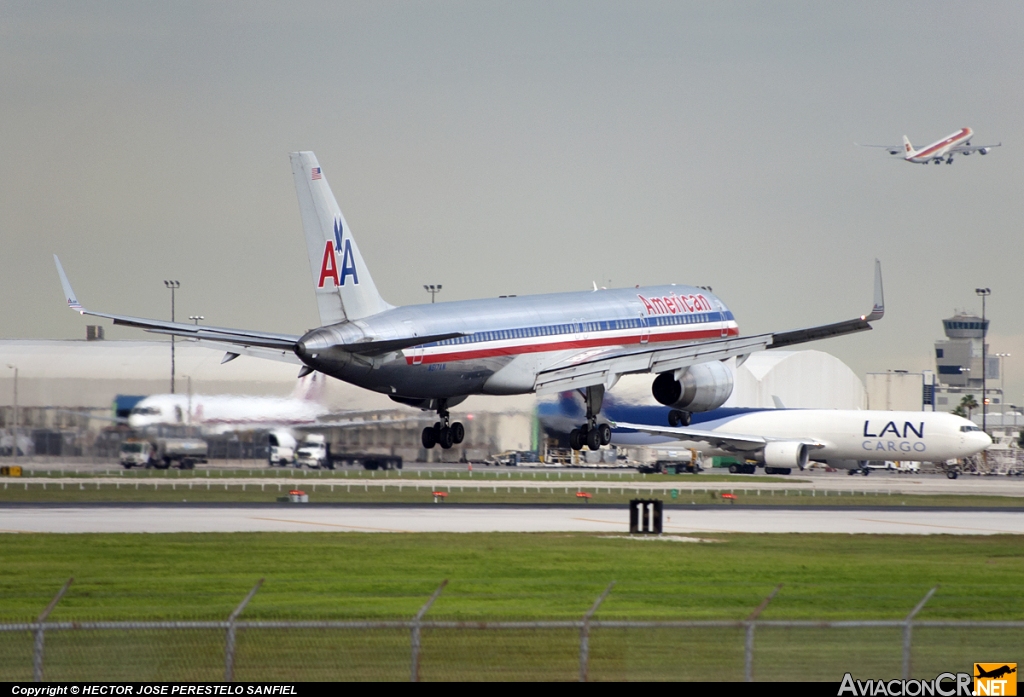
{"x": 229, "y": 644}
{"x": 907, "y": 632}
{"x": 37, "y": 654}
{"x": 415, "y": 668}
{"x": 748, "y": 649}
{"x": 585, "y": 633}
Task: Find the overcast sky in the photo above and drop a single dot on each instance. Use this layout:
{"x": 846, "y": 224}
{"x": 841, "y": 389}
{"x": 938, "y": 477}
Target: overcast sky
{"x": 516, "y": 147}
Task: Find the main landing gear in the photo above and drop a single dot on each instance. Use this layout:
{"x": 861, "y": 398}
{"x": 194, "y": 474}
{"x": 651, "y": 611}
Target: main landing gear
{"x": 678, "y": 418}
{"x": 591, "y": 434}
{"x": 445, "y": 432}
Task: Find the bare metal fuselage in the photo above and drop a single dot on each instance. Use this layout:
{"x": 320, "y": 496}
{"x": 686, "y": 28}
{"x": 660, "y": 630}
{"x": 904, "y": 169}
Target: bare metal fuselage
{"x": 505, "y": 342}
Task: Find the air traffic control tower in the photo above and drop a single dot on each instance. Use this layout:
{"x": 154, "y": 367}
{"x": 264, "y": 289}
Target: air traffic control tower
{"x": 958, "y": 361}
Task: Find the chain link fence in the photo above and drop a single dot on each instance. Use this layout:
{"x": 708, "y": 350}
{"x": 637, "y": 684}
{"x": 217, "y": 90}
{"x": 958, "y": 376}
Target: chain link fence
{"x": 434, "y": 650}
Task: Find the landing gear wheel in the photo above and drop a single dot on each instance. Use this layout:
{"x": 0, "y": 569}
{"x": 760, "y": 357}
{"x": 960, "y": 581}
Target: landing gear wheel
{"x": 678, "y": 418}
{"x": 769, "y": 470}
{"x": 606, "y": 433}
{"x": 865, "y": 471}
{"x": 428, "y": 437}
{"x": 952, "y": 474}
{"x": 594, "y": 439}
{"x": 458, "y": 432}
{"x": 734, "y": 469}
{"x": 851, "y": 472}
{"x": 749, "y": 469}
{"x": 575, "y": 439}
{"x": 444, "y": 439}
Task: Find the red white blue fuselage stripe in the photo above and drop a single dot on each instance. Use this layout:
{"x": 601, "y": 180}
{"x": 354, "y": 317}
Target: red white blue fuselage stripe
{"x": 578, "y": 335}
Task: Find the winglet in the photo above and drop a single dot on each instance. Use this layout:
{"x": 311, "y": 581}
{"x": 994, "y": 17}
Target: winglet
{"x": 68, "y": 292}
{"x": 878, "y": 310}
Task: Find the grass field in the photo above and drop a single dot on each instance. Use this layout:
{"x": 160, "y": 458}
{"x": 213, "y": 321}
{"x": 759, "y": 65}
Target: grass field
{"x": 509, "y": 575}
{"x": 502, "y": 576}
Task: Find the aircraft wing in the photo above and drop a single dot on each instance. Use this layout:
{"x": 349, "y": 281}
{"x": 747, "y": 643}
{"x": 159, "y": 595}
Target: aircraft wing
{"x": 221, "y": 335}
{"x": 241, "y": 341}
{"x": 893, "y": 149}
{"x": 729, "y": 441}
{"x": 965, "y": 149}
{"x": 604, "y": 366}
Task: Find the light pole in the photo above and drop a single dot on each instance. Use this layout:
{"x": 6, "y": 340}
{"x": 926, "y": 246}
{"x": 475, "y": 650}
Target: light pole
{"x": 14, "y": 450}
{"x": 984, "y": 293}
{"x": 433, "y": 290}
{"x": 172, "y": 286}
{"x": 196, "y": 318}
{"x": 1002, "y": 385}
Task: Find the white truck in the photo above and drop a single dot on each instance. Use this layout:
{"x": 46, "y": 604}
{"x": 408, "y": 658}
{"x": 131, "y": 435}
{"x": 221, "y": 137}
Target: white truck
{"x": 163, "y": 452}
{"x": 281, "y": 447}
{"x": 313, "y": 453}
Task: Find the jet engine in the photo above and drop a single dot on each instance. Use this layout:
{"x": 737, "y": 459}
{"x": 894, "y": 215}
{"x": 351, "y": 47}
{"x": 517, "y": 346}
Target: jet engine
{"x": 785, "y": 454}
{"x": 701, "y": 387}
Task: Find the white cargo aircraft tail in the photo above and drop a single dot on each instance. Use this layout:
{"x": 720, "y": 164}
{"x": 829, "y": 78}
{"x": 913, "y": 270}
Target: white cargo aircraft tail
{"x": 344, "y": 288}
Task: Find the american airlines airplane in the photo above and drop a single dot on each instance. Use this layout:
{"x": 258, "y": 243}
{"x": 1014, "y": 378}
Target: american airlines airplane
{"x": 434, "y": 356}
{"x": 940, "y": 151}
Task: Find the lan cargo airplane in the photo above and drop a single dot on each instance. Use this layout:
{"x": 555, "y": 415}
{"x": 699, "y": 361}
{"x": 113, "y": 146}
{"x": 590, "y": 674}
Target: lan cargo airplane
{"x": 940, "y": 151}
{"x": 434, "y": 356}
{"x": 781, "y": 439}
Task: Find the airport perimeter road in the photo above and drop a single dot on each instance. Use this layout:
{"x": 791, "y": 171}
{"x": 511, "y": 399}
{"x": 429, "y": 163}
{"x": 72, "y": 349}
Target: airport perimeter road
{"x": 451, "y": 518}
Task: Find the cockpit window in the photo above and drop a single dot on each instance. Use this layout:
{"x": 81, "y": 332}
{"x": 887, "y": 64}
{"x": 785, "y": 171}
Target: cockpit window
{"x": 146, "y": 411}
{"x": 968, "y": 429}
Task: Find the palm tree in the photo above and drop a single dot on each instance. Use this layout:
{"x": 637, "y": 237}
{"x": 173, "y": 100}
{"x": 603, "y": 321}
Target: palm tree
{"x": 968, "y": 403}
{"x": 959, "y": 411}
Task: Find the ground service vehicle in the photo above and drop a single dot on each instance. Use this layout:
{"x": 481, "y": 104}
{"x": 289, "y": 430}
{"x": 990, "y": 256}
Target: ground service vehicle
{"x": 281, "y": 448}
{"x": 314, "y": 453}
{"x": 163, "y": 452}
{"x": 670, "y": 467}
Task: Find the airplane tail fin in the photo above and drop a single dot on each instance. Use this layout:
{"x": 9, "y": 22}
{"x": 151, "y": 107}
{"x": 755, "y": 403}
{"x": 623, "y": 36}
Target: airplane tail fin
{"x": 344, "y": 288}
{"x": 908, "y": 149}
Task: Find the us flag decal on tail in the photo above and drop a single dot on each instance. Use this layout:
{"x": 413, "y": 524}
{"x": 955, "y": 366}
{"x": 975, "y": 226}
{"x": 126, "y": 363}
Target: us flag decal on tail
{"x": 316, "y": 173}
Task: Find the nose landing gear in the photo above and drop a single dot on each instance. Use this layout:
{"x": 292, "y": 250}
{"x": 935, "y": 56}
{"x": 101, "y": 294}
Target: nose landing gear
{"x": 591, "y": 434}
{"x": 445, "y": 432}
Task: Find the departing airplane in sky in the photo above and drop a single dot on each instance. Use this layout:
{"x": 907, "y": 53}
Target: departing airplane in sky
{"x": 434, "y": 356}
{"x": 781, "y": 439}
{"x": 940, "y": 151}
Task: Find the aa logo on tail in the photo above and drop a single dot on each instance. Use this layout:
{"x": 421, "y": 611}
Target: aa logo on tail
{"x": 329, "y": 264}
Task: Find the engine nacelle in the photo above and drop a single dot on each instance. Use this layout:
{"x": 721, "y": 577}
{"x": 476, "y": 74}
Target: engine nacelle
{"x": 983, "y": 151}
{"x": 702, "y": 387}
{"x": 785, "y": 454}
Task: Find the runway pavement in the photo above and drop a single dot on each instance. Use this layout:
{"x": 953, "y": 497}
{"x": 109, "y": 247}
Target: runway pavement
{"x": 452, "y": 518}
